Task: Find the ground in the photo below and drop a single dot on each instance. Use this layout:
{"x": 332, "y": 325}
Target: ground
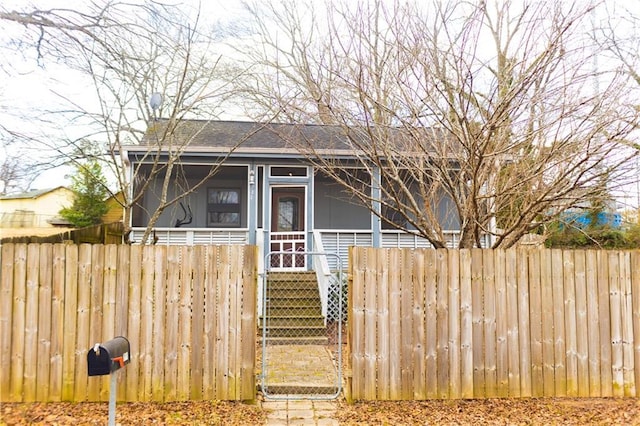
{"x": 547, "y": 411}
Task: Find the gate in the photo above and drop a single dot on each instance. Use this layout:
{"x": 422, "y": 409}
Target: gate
{"x": 302, "y": 319}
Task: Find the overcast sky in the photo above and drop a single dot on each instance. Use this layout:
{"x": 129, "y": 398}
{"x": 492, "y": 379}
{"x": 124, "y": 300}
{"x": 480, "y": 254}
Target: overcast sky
{"x": 26, "y": 88}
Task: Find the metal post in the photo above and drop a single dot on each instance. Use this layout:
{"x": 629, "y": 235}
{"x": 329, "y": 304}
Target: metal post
{"x": 112, "y": 399}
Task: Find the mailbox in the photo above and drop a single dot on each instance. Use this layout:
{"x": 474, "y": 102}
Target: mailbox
{"x": 105, "y": 358}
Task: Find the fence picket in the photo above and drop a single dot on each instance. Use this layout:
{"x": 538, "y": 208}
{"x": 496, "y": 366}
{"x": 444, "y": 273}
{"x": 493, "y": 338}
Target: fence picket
{"x": 581, "y": 323}
{"x": 570, "y": 323}
{"x": 502, "y": 318}
{"x": 442, "y": 319}
{"x": 146, "y": 343}
{"x": 406, "y": 313}
{"x": 110, "y": 278}
{"x": 524, "y": 324}
{"x": 418, "y": 318}
{"x": 18, "y": 322}
{"x": 593, "y": 321}
{"x": 395, "y": 330}
{"x": 627, "y": 324}
{"x": 536, "y": 316}
{"x": 184, "y": 371}
{"x": 383, "y": 343}
{"x": 197, "y": 346}
{"x": 7, "y": 258}
{"x": 512, "y": 323}
{"x": 57, "y": 322}
{"x": 604, "y": 320}
{"x": 31, "y": 322}
{"x": 160, "y": 306}
{"x": 559, "y": 338}
{"x": 547, "y": 324}
{"x": 466, "y": 326}
{"x": 477, "y": 297}
{"x": 370, "y": 341}
{"x": 615, "y": 298}
{"x": 455, "y": 379}
{"x": 133, "y": 318}
{"x": 635, "y": 315}
{"x": 45, "y": 303}
{"x": 431, "y": 381}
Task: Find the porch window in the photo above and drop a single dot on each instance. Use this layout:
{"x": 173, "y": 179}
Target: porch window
{"x": 223, "y": 207}
{"x": 292, "y": 171}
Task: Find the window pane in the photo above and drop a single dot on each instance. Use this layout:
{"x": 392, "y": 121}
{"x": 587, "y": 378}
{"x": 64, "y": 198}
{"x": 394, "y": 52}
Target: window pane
{"x": 224, "y": 196}
{"x": 221, "y": 218}
{"x": 289, "y": 171}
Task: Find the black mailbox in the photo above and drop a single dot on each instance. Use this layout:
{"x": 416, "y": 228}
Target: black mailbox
{"x": 107, "y": 357}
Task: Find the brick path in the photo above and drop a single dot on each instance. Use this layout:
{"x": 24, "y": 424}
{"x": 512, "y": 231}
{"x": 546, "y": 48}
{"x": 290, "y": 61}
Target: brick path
{"x": 305, "y": 373}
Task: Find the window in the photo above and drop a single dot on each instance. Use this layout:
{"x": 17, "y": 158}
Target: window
{"x": 293, "y": 171}
{"x": 288, "y": 214}
{"x": 223, "y": 207}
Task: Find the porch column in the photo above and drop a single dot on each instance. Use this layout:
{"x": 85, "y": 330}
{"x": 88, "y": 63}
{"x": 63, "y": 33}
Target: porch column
{"x": 253, "y": 202}
{"x": 375, "y": 207}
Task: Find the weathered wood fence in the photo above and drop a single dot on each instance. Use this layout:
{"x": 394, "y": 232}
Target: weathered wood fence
{"x": 493, "y": 323}
{"x": 188, "y": 311}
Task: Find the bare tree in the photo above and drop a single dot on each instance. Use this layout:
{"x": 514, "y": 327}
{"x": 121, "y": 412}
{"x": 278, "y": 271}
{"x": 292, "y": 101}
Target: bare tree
{"x": 482, "y": 112}
{"x": 127, "y": 54}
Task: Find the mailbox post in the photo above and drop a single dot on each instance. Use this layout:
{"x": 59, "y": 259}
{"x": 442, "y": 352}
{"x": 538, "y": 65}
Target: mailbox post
{"x": 107, "y": 358}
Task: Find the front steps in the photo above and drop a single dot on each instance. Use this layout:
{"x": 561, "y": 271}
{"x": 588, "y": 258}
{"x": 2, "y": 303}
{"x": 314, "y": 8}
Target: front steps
{"x": 293, "y": 309}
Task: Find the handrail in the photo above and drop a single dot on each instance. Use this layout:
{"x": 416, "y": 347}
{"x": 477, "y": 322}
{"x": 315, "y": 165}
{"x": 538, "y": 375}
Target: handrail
{"x": 323, "y": 272}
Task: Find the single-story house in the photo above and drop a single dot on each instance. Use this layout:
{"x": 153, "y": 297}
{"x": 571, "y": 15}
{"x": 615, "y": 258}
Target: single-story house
{"x": 34, "y": 209}
{"x": 266, "y": 192}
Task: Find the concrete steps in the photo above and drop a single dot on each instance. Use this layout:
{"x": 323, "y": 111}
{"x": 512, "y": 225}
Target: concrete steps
{"x": 294, "y": 310}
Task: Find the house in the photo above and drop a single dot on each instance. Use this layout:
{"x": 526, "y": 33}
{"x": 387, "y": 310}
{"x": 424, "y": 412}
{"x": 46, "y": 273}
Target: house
{"x": 114, "y": 208}
{"x": 265, "y": 192}
{"x": 34, "y": 209}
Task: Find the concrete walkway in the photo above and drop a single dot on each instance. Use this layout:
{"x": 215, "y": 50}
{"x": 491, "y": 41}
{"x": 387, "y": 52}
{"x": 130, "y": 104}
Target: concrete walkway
{"x": 300, "y": 412}
{"x": 299, "y": 379}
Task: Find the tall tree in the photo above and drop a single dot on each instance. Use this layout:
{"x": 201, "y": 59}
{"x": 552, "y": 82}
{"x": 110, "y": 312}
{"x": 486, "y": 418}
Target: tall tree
{"x": 481, "y": 111}
{"x": 125, "y": 53}
{"x": 90, "y": 193}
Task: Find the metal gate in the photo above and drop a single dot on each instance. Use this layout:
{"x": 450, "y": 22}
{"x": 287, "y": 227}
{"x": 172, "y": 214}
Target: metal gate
{"x": 302, "y": 319}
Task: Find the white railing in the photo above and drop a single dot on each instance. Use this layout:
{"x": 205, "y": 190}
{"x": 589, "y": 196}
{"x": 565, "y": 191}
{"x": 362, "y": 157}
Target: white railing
{"x": 339, "y": 241}
{"x": 323, "y": 272}
{"x": 193, "y": 236}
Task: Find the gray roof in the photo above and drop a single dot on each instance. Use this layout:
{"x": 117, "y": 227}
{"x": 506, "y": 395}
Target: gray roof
{"x": 213, "y": 136}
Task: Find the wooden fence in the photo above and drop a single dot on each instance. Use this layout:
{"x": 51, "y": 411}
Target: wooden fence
{"x": 106, "y": 233}
{"x": 188, "y": 311}
{"x": 493, "y": 323}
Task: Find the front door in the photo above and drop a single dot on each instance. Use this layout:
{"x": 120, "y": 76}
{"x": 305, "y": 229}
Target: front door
{"x": 287, "y": 227}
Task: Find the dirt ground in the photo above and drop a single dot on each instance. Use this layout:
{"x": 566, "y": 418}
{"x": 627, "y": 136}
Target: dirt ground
{"x": 543, "y": 411}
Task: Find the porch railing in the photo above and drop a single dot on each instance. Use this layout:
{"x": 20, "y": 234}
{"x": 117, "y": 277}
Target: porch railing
{"x": 192, "y": 236}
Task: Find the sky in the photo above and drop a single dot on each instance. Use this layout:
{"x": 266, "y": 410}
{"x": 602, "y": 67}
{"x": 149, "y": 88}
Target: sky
{"x": 26, "y": 88}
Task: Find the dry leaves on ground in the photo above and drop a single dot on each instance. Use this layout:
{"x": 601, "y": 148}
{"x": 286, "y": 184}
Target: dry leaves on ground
{"x": 136, "y": 413}
{"x": 526, "y": 411}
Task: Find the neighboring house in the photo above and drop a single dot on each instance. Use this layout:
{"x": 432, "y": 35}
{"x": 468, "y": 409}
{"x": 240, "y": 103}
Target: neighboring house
{"x": 34, "y": 209}
{"x": 115, "y": 212}
{"x": 265, "y": 193}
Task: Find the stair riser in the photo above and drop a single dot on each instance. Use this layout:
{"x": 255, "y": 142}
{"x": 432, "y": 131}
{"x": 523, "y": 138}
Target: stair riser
{"x": 293, "y": 333}
{"x": 296, "y": 322}
{"x": 312, "y": 312}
